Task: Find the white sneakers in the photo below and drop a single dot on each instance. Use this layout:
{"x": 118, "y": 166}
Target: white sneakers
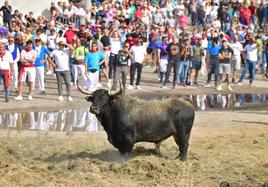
{"x": 230, "y": 88}
{"x": 18, "y": 98}
{"x": 207, "y": 85}
{"x": 69, "y": 98}
{"x": 60, "y": 98}
{"x": 130, "y": 87}
{"x": 109, "y": 83}
{"x": 219, "y": 88}
{"x": 30, "y": 98}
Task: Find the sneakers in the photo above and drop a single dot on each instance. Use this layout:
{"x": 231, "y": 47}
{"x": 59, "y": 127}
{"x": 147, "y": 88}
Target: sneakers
{"x": 239, "y": 83}
{"x": 60, "y": 98}
{"x": 7, "y": 100}
{"x": 219, "y": 88}
{"x": 30, "y": 98}
{"x": 207, "y": 85}
{"x": 164, "y": 86}
{"x": 184, "y": 85}
{"x": 49, "y": 72}
{"x": 138, "y": 87}
{"x": 130, "y": 87}
{"x": 174, "y": 87}
{"x": 18, "y": 98}
{"x": 230, "y": 88}
{"x": 70, "y": 99}
{"x": 109, "y": 85}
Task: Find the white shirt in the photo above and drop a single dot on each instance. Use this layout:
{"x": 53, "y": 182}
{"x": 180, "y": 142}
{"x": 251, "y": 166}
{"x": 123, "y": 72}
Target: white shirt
{"x": 61, "y": 58}
{"x": 138, "y": 53}
{"x": 115, "y": 45}
{"x": 51, "y": 41}
{"x": 6, "y": 61}
{"x": 28, "y": 55}
{"x": 237, "y": 48}
{"x": 251, "y": 52}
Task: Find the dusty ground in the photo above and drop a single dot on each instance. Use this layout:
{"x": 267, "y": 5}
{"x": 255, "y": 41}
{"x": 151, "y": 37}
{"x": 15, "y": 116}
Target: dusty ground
{"x": 226, "y": 149}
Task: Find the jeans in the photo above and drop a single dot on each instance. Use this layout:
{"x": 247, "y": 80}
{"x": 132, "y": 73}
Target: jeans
{"x": 251, "y": 66}
{"x": 182, "y": 71}
{"x": 112, "y": 63}
{"x": 171, "y": 64}
{"x": 4, "y": 74}
{"x": 214, "y": 68}
{"x": 120, "y": 71}
{"x": 66, "y": 77}
{"x": 133, "y": 68}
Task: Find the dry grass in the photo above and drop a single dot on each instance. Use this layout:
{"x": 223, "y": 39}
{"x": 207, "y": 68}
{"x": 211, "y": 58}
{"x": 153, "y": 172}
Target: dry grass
{"x": 229, "y": 154}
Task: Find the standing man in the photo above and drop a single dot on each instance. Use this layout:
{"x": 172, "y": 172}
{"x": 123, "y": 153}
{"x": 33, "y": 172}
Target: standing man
{"x": 28, "y": 56}
{"x": 251, "y": 58}
{"x": 123, "y": 58}
{"x": 61, "y": 57}
{"x": 80, "y": 53}
{"x": 139, "y": 54}
{"x": 173, "y": 50}
{"x": 198, "y": 53}
{"x": 6, "y": 66}
{"x": 225, "y": 56}
{"x": 213, "y": 62}
{"x": 237, "y": 48}
{"x": 7, "y": 10}
{"x": 40, "y": 61}
{"x": 14, "y": 49}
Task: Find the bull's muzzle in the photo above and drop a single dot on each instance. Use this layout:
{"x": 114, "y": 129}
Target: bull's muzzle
{"x": 94, "y": 110}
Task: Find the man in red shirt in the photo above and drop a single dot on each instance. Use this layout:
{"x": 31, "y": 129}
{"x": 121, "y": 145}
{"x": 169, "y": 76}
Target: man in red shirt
{"x": 245, "y": 14}
{"x": 70, "y": 34}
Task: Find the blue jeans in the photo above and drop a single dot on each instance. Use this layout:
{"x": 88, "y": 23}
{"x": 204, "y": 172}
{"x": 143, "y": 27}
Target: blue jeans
{"x": 251, "y": 66}
{"x": 182, "y": 71}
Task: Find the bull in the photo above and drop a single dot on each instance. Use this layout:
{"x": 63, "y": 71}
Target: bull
{"x": 128, "y": 120}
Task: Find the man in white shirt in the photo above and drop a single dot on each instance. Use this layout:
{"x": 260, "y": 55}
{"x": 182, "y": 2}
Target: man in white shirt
{"x": 6, "y": 67}
{"x": 27, "y": 68}
{"x": 236, "y": 60}
{"x": 61, "y": 57}
{"x": 251, "y": 58}
{"x": 139, "y": 55}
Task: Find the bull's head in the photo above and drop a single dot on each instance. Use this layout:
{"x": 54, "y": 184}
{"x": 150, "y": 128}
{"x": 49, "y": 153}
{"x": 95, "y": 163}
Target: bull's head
{"x": 100, "y": 98}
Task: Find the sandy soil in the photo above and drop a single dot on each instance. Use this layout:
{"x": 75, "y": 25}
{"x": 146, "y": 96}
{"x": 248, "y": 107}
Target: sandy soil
{"x": 226, "y": 149}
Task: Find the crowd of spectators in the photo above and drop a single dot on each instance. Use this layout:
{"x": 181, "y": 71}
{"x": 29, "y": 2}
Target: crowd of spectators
{"x": 112, "y": 39}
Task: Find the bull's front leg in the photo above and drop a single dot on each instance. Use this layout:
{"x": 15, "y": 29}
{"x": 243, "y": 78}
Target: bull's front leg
{"x": 126, "y": 144}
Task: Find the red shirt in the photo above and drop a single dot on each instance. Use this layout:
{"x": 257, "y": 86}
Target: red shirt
{"x": 69, "y": 35}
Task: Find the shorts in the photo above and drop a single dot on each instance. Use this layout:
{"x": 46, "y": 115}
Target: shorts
{"x": 236, "y": 63}
{"x": 102, "y": 66}
{"x": 30, "y": 72}
{"x": 196, "y": 64}
{"x": 163, "y": 65}
{"x": 224, "y": 68}
{"x": 149, "y": 50}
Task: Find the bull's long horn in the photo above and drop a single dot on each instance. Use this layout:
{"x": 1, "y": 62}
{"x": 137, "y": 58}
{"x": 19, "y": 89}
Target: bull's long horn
{"x": 83, "y": 90}
{"x": 119, "y": 92}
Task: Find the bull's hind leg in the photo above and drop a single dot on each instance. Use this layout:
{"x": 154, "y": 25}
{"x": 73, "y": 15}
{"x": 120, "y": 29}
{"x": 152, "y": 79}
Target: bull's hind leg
{"x": 182, "y": 141}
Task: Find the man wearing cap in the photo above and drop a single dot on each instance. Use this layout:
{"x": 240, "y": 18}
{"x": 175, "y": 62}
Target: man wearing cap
{"x": 6, "y": 67}
{"x": 27, "y": 68}
{"x": 225, "y": 56}
{"x": 61, "y": 57}
{"x": 41, "y": 52}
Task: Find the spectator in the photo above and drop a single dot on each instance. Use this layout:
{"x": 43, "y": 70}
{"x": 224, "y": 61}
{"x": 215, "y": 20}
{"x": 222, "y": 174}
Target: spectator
{"x": 7, "y": 10}
{"x": 28, "y": 56}
{"x": 237, "y": 48}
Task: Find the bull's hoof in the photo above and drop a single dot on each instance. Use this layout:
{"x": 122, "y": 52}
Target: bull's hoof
{"x": 182, "y": 158}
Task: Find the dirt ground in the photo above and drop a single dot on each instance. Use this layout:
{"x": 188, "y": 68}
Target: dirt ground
{"x": 227, "y": 148}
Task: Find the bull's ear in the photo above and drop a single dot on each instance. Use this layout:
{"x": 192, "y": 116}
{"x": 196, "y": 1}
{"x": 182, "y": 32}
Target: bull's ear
{"x": 89, "y": 98}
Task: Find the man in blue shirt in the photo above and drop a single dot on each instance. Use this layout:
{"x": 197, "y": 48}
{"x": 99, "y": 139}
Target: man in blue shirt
{"x": 214, "y": 62}
{"x": 93, "y": 60}
{"x": 42, "y": 51}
